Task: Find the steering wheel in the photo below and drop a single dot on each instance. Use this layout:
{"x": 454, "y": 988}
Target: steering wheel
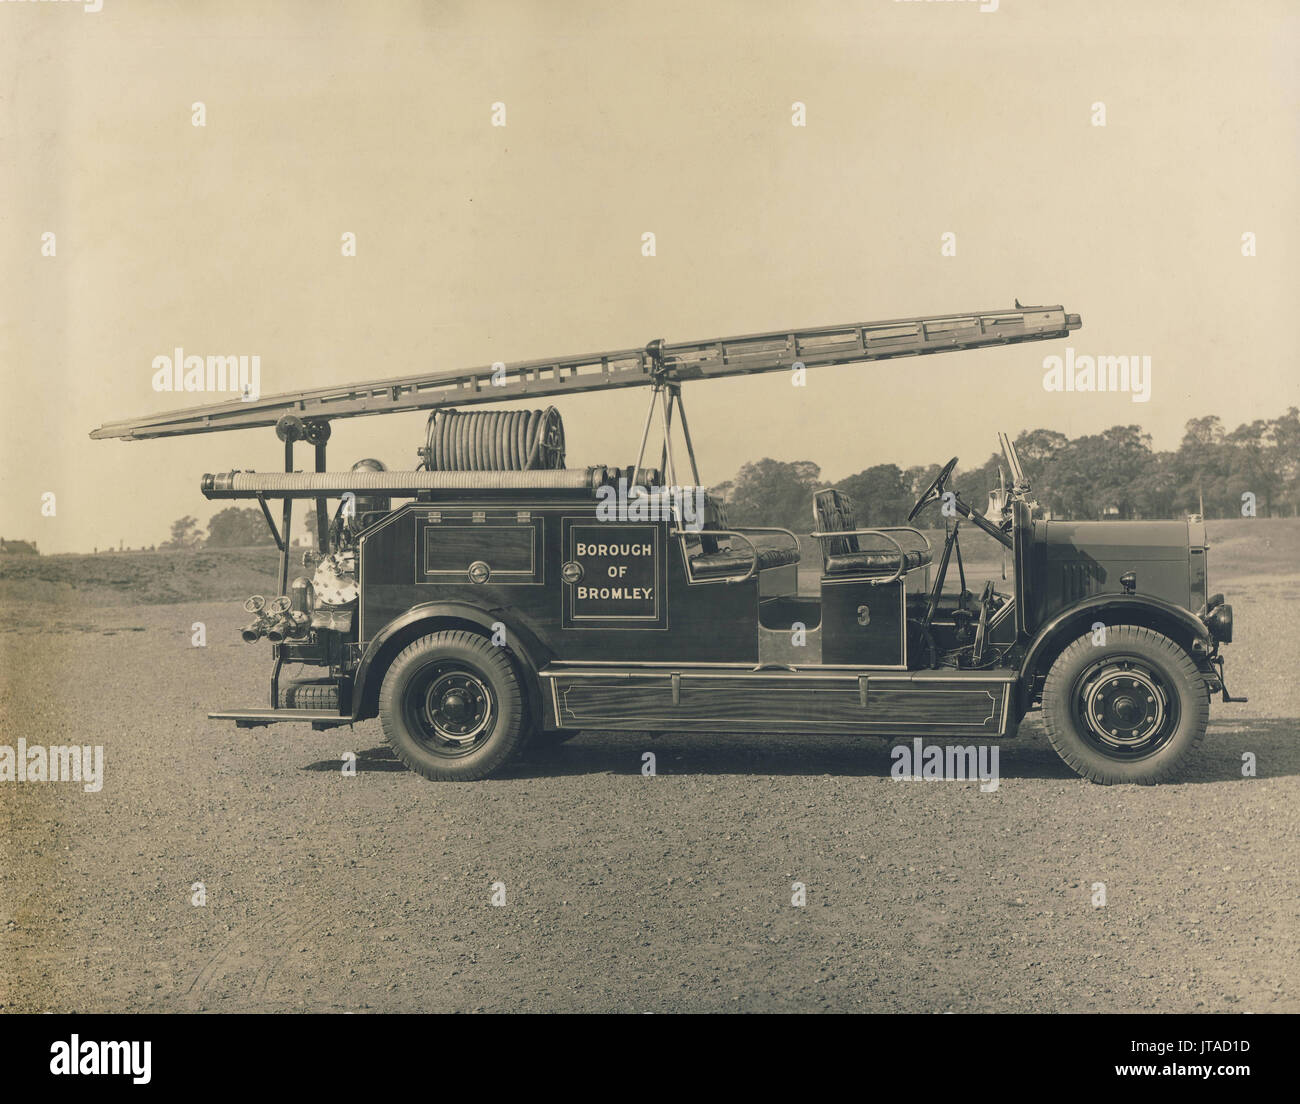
{"x": 934, "y": 491}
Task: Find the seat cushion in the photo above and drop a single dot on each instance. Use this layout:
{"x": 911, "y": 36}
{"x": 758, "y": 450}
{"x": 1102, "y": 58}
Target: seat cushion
{"x": 713, "y": 565}
{"x": 777, "y": 557}
{"x": 874, "y": 563}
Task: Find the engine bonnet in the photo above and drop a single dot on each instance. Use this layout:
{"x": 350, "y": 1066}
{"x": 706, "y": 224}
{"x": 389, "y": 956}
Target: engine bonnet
{"x": 1134, "y": 541}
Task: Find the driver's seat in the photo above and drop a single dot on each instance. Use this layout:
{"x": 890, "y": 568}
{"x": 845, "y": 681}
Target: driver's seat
{"x": 837, "y": 520}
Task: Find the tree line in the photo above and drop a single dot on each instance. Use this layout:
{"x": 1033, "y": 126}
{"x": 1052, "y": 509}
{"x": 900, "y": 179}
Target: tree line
{"x": 1254, "y": 468}
{"x": 1113, "y": 474}
{"x": 236, "y": 527}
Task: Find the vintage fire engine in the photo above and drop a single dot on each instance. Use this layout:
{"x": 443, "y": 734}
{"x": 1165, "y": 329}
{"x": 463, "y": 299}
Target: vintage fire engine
{"x": 492, "y": 596}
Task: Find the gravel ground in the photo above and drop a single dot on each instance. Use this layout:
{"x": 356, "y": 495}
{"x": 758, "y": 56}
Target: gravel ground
{"x": 623, "y": 893}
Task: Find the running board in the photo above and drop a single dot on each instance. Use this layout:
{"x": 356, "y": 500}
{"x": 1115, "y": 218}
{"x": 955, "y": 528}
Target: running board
{"x": 936, "y": 703}
{"x": 255, "y": 718}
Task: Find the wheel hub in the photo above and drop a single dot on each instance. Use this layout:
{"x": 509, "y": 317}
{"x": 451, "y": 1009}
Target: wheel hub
{"x": 457, "y": 707}
{"x": 1123, "y": 706}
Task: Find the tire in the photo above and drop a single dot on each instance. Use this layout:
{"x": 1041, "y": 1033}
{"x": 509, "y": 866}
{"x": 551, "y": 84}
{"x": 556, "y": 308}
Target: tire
{"x": 451, "y": 707}
{"x": 315, "y": 694}
{"x": 1129, "y": 710}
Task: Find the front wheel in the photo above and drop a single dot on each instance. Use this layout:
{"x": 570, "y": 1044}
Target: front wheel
{"x": 1130, "y": 709}
{"x": 451, "y": 707}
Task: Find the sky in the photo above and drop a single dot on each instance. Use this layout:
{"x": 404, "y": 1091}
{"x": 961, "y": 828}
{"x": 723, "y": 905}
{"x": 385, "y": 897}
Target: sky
{"x": 477, "y": 243}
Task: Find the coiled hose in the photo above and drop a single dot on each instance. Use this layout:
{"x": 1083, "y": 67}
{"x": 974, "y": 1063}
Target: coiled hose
{"x": 494, "y": 440}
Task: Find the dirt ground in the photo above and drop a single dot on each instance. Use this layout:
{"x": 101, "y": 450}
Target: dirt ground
{"x": 622, "y": 892}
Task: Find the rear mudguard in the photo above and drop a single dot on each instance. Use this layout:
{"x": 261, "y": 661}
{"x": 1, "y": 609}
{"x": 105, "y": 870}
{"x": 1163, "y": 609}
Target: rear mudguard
{"x": 521, "y": 643}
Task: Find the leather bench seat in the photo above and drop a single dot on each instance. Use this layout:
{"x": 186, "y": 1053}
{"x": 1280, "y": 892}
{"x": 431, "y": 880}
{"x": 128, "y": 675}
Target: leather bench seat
{"x": 843, "y": 555}
{"x": 711, "y": 565}
{"x": 874, "y": 563}
{"x": 717, "y": 559}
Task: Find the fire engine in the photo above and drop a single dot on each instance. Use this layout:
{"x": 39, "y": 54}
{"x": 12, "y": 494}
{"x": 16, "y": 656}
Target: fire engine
{"x": 491, "y": 596}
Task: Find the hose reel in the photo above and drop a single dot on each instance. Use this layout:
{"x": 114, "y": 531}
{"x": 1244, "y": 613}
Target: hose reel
{"x": 494, "y": 440}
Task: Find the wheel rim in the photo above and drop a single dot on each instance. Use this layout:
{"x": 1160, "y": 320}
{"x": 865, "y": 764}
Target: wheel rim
{"x": 450, "y": 709}
{"x": 1125, "y": 708}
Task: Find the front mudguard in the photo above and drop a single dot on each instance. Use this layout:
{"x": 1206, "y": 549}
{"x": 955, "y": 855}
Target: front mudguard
{"x": 1175, "y": 622}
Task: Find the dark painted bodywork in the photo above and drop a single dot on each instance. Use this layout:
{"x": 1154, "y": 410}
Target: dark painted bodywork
{"x": 702, "y": 654}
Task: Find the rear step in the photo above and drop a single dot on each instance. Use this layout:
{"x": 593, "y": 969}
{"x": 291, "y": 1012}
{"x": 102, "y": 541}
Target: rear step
{"x": 307, "y": 701}
{"x": 255, "y": 718}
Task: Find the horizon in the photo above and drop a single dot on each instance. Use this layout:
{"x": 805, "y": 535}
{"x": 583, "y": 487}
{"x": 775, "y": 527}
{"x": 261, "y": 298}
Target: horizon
{"x": 301, "y": 512}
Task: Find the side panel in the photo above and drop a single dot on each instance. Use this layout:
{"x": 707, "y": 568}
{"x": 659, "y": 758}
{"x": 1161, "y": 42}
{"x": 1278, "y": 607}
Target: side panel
{"x": 862, "y": 625}
{"x": 420, "y": 554}
{"x": 921, "y": 703}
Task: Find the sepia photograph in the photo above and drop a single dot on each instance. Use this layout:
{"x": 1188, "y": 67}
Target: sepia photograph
{"x": 656, "y": 508}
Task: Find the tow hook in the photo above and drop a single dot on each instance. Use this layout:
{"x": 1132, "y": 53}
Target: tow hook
{"x": 1227, "y": 696}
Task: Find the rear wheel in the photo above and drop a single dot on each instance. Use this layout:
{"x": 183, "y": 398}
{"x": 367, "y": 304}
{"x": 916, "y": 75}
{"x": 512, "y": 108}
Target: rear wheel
{"x": 451, "y": 707}
{"x": 1129, "y": 710}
